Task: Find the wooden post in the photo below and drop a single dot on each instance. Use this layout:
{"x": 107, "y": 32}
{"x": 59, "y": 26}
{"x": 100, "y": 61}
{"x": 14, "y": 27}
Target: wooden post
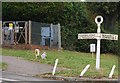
{"x": 12, "y": 37}
{"x": 51, "y": 42}
{"x": 92, "y": 54}
{"x": 15, "y": 36}
{"x": 26, "y": 32}
{"x": 29, "y": 31}
{"x": 59, "y": 37}
{"x": 1, "y": 32}
{"x": 1, "y": 36}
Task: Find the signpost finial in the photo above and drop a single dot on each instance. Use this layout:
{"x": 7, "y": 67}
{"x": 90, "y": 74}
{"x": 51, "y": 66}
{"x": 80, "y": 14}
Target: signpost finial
{"x": 99, "y": 20}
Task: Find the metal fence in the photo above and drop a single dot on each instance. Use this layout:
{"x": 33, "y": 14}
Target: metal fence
{"x": 31, "y": 32}
{"x": 45, "y": 34}
{"x": 14, "y": 32}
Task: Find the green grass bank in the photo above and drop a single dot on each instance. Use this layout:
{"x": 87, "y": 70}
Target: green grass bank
{"x": 74, "y": 61}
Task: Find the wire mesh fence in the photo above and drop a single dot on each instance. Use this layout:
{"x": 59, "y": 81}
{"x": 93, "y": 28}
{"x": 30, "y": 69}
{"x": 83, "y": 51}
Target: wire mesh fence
{"x": 31, "y": 32}
{"x": 45, "y": 34}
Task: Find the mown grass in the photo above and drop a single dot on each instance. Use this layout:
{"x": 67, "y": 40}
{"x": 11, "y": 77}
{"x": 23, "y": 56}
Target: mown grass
{"x": 3, "y": 66}
{"x": 74, "y": 61}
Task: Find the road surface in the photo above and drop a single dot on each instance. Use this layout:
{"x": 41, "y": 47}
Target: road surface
{"x": 6, "y": 76}
{"x": 22, "y": 70}
{"x": 20, "y": 66}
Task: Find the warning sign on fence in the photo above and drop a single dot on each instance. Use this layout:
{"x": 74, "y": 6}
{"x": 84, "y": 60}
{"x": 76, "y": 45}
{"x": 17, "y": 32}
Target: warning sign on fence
{"x": 10, "y": 26}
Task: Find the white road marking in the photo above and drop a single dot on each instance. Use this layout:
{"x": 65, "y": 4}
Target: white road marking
{"x": 6, "y": 79}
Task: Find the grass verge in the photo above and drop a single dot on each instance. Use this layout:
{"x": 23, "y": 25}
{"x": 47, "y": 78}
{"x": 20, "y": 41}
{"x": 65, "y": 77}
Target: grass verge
{"x": 75, "y": 61}
{"x": 3, "y": 66}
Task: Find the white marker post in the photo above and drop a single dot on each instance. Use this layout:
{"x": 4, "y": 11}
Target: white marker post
{"x": 98, "y": 36}
{"x": 84, "y": 70}
{"x": 55, "y": 66}
{"x": 112, "y": 71}
{"x": 37, "y": 53}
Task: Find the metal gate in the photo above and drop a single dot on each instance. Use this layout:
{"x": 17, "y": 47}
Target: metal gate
{"x": 13, "y": 32}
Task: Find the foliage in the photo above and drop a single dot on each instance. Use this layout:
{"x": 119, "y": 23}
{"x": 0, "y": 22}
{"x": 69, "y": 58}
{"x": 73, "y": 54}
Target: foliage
{"x": 104, "y": 8}
{"x": 109, "y": 11}
{"x": 111, "y": 14}
{"x": 74, "y": 18}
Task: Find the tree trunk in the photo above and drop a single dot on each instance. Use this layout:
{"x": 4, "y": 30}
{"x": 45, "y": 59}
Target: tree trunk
{"x": 110, "y": 22}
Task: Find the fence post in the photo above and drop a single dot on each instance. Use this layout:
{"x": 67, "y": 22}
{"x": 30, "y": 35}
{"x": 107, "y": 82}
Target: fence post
{"x": 59, "y": 37}
{"x": 25, "y": 32}
{"x": 30, "y": 31}
{"x": 51, "y": 28}
{"x": 1, "y": 36}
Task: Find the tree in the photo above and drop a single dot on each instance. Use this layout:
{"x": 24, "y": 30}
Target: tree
{"x": 108, "y": 10}
{"x": 111, "y": 14}
{"x": 74, "y": 18}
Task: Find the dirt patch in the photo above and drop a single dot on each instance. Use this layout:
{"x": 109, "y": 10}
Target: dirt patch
{"x": 26, "y": 47}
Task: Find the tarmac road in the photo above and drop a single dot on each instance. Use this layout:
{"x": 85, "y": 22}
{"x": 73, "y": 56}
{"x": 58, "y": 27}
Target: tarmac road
{"x": 6, "y": 76}
{"x": 21, "y": 66}
{"x": 22, "y": 70}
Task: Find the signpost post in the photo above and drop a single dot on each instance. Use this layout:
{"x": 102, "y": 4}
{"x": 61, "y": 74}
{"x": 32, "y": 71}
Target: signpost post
{"x": 98, "y": 36}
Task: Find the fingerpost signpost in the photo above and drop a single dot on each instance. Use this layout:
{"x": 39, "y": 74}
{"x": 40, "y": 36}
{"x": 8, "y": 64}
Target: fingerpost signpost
{"x": 98, "y": 36}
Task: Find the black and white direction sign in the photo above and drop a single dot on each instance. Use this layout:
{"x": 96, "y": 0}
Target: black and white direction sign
{"x": 87, "y": 36}
{"x": 98, "y": 35}
{"x": 109, "y": 36}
